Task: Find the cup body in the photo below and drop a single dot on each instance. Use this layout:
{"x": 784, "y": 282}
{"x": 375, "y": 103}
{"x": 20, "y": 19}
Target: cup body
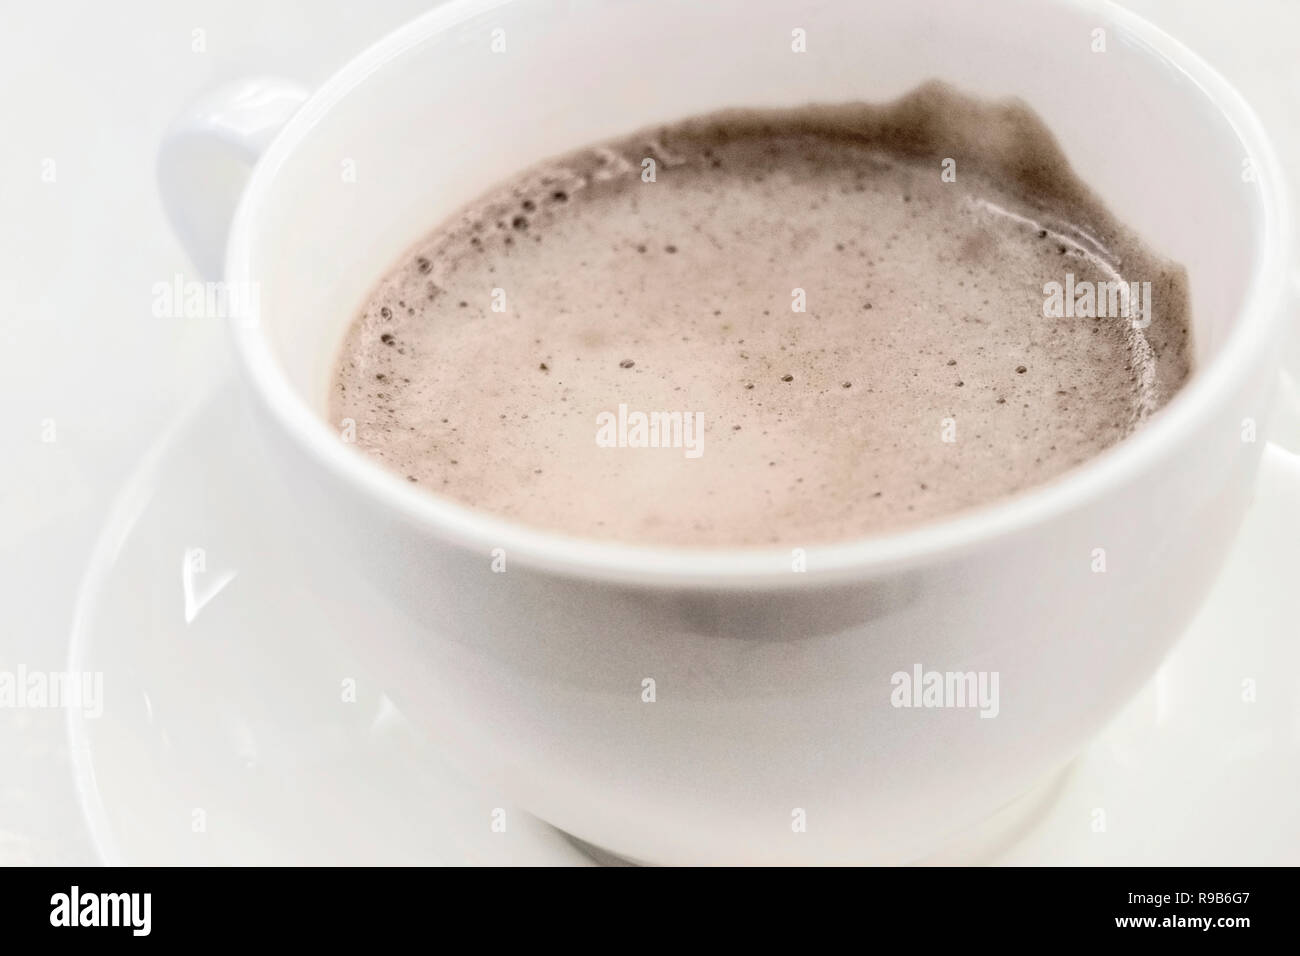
{"x": 702, "y": 706}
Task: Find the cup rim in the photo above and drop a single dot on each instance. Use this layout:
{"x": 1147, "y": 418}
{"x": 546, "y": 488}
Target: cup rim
{"x": 1260, "y": 314}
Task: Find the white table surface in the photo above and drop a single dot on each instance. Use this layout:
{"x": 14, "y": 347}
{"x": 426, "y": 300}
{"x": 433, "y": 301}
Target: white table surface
{"x": 91, "y": 86}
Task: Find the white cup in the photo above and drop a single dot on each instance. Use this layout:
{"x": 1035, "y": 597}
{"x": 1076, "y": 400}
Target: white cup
{"x": 773, "y": 698}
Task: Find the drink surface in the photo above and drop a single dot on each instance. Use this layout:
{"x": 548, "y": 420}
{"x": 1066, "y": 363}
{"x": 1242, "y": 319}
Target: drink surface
{"x": 838, "y": 313}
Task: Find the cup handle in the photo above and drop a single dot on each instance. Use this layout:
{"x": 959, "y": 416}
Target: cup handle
{"x": 207, "y": 154}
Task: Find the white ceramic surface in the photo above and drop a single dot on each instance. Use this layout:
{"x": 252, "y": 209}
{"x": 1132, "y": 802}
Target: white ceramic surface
{"x": 774, "y": 687}
{"x": 237, "y": 727}
{"x": 240, "y": 714}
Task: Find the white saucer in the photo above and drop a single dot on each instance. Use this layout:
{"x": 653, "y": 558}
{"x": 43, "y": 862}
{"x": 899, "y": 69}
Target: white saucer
{"x": 228, "y": 740}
